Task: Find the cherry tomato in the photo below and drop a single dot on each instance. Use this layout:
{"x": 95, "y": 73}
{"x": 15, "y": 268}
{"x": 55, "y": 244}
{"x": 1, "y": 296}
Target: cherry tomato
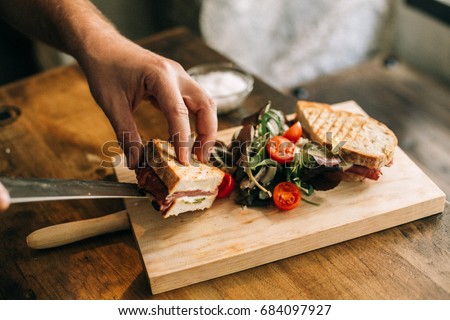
{"x": 226, "y": 187}
{"x": 294, "y": 132}
{"x": 286, "y": 195}
{"x": 281, "y": 149}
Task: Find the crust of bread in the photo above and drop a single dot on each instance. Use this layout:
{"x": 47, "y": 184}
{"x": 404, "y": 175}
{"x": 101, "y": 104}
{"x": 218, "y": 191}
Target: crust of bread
{"x": 361, "y": 139}
{"x": 177, "y": 177}
{"x": 186, "y": 204}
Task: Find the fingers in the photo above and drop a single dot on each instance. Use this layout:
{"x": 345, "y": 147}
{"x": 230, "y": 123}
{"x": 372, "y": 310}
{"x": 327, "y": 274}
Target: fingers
{"x": 205, "y": 111}
{"x": 122, "y": 121}
{"x": 179, "y": 130}
{"x": 132, "y": 146}
{"x": 4, "y": 198}
{"x": 206, "y": 127}
{"x": 177, "y": 95}
{"x": 177, "y": 100}
{"x": 166, "y": 92}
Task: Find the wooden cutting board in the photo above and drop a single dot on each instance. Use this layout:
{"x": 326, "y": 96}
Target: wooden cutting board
{"x": 228, "y": 238}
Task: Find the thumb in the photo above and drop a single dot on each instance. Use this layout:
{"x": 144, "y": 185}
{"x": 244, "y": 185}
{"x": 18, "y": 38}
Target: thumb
{"x": 4, "y": 198}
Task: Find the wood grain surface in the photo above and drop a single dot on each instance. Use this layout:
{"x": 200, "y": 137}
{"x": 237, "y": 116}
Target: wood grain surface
{"x": 228, "y": 238}
{"x": 60, "y": 132}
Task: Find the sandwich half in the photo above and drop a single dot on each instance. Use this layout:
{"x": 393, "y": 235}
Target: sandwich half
{"x": 177, "y": 188}
{"x": 364, "y": 144}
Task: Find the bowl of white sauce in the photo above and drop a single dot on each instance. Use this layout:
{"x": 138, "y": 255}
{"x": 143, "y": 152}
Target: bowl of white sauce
{"x": 227, "y": 84}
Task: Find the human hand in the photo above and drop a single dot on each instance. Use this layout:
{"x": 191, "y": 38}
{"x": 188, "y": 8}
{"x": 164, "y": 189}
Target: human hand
{"x": 4, "y": 198}
{"x": 121, "y": 74}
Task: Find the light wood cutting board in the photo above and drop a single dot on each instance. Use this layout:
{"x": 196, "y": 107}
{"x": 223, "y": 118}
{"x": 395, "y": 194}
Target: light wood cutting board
{"x": 228, "y": 238}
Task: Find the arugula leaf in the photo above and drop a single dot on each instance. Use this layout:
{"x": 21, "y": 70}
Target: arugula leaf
{"x": 259, "y": 161}
{"x": 271, "y": 122}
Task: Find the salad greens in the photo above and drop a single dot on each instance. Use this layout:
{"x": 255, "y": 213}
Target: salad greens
{"x": 256, "y": 172}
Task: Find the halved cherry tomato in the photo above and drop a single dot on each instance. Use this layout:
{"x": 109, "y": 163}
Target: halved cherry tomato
{"x": 226, "y": 187}
{"x": 281, "y": 149}
{"x": 286, "y": 195}
{"x": 294, "y": 132}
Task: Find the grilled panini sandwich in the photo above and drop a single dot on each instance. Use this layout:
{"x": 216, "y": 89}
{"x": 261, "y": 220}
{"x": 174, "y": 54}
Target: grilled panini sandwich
{"x": 365, "y": 144}
{"x": 177, "y": 188}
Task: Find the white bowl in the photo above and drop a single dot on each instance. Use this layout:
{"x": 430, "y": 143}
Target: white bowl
{"x": 227, "y": 84}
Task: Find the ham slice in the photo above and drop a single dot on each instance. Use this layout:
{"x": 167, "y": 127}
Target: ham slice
{"x": 369, "y": 173}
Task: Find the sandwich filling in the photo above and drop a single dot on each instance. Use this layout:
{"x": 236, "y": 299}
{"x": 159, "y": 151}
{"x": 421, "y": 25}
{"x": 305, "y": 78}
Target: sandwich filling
{"x": 366, "y": 172}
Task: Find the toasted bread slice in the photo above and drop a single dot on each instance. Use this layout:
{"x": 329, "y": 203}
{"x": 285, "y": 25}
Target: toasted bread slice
{"x": 186, "y": 188}
{"x": 177, "y": 177}
{"x": 360, "y": 139}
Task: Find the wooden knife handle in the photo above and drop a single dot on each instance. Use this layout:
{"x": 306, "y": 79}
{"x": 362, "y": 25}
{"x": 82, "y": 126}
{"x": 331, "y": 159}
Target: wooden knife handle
{"x": 70, "y": 232}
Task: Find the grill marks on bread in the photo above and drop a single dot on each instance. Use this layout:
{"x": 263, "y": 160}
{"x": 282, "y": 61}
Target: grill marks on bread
{"x": 366, "y": 141}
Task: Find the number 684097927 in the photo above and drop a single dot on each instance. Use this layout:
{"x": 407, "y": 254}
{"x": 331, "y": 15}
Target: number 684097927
{"x": 303, "y": 309}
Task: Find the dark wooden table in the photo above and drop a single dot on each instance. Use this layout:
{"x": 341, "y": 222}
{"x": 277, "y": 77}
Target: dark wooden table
{"x": 59, "y": 133}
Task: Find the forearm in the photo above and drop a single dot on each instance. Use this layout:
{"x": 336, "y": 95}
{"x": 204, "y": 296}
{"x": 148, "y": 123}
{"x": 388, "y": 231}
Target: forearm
{"x": 120, "y": 73}
{"x": 72, "y": 26}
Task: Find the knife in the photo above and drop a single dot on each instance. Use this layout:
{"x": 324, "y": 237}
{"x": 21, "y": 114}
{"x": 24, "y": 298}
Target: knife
{"x": 36, "y": 189}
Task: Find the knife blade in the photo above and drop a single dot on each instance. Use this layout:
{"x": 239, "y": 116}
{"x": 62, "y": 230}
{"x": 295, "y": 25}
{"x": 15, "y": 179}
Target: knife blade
{"x": 23, "y": 190}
